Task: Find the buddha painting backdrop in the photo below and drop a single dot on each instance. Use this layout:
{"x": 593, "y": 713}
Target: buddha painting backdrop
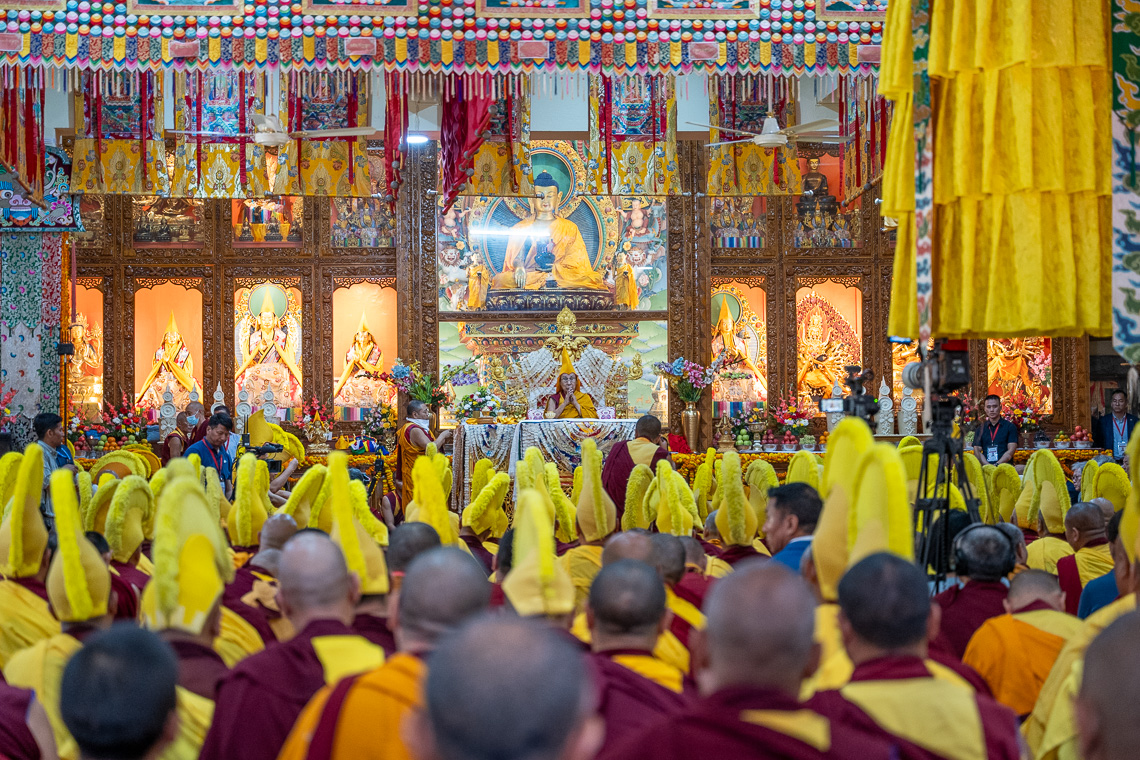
{"x": 267, "y": 344}
{"x": 363, "y": 346}
{"x": 168, "y": 343}
{"x": 740, "y": 339}
{"x": 1020, "y": 370}
{"x": 829, "y": 336}
{"x": 85, "y": 366}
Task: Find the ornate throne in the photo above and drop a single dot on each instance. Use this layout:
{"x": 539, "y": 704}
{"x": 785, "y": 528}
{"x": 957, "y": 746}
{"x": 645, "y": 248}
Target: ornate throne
{"x": 525, "y": 380}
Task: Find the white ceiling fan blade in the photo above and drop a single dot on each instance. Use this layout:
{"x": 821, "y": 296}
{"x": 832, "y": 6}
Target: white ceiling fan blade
{"x": 812, "y": 126}
{"x": 723, "y": 129}
{"x": 267, "y": 122}
{"x": 324, "y": 134}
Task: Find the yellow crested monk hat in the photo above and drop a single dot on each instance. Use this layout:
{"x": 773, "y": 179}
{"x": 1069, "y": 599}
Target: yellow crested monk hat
{"x": 534, "y": 472}
{"x": 846, "y": 446}
{"x": 977, "y": 477}
{"x": 567, "y": 368}
{"x": 485, "y": 512}
{"x": 9, "y": 469}
{"x": 95, "y": 516}
{"x": 735, "y": 520}
{"x": 1006, "y": 487}
{"x": 1022, "y": 508}
{"x": 261, "y": 431}
{"x": 78, "y": 581}
{"x": 23, "y": 536}
{"x": 248, "y": 512}
{"x": 431, "y": 502}
{"x": 537, "y": 585}
{"x": 1051, "y": 497}
{"x": 760, "y": 478}
{"x": 674, "y": 516}
{"x": 1130, "y": 520}
{"x": 304, "y": 495}
{"x": 597, "y": 514}
{"x": 362, "y": 553}
{"x": 132, "y": 508}
{"x": 120, "y": 464}
{"x": 703, "y": 483}
{"x": 1111, "y": 482}
{"x": 640, "y": 492}
{"x": 191, "y": 561}
{"x": 803, "y": 467}
{"x": 881, "y": 518}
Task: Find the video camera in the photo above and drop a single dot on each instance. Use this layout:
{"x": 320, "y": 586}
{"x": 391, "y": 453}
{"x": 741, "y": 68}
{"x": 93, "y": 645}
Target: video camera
{"x": 265, "y": 449}
{"x": 858, "y": 403}
{"x": 947, "y": 365}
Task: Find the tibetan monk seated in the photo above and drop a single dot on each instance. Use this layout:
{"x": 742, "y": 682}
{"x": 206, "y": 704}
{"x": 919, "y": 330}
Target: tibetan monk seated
{"x": 569, "y": 401}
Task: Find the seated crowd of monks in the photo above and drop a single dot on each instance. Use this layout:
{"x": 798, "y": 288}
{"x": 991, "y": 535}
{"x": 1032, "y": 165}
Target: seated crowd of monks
{"x": 625, "y": 613}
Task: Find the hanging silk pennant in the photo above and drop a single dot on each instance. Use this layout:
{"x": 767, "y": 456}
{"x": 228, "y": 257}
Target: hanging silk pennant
{"x": 924, "y": 171}
{"x": 502, "y": 164}
{"x": 395, "y": 132}
{"x": 1125, "y": 186}
{"x": 464, "y": 117}
{"x": 632, "y": 147}
{"x": 22, "y": 129}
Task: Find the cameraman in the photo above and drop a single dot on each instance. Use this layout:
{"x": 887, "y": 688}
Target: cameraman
{"x": 212, "y": 449}
{"x": 996, "y": 439}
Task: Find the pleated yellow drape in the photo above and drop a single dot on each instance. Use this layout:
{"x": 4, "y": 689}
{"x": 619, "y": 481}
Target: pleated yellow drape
{"x": 1022, "y": 151}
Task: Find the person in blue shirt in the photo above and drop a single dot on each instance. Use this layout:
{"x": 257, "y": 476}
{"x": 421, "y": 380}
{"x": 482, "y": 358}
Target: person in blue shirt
{"x": 1103, "y": 591}
{"x": 211, "y": 449}
{"x": 793, "y": 511}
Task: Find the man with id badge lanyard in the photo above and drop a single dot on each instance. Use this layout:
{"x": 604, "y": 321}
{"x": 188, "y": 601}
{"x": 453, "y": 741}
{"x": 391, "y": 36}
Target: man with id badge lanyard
{"x": 996, "y": 439}
{"x": 1113, "y": 430}
{"x": 211, "y": 449}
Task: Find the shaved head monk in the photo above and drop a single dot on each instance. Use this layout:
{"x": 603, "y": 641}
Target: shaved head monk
{"x": 648, "y": 447}
{"x": 506, "y": 688}
{"x": 758, "y": 648}
{"x": 669, "y": 557}
{"x": 627, "y": 613}
{"x": 252, "y": 594}
{"x": 629, "y": 544}
{"x": 360, "y": 718}
{"x": 260, "y": 699}
{"x": 886, "y": 618}
{"x": 1014, "y": 652}
{"x": 694, "y": 584}
{"x": 1092, "y": 558}
{"x": 1107, "y": 508}
{"x": 1110, "y": 690}
{"x": 988, "y": 555}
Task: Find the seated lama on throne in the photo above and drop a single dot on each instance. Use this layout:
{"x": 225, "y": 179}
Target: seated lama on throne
{"x": 569, "y": 401}
{"x": 543, "y": 244}
{"x": 172, "y": 365}
{"x": 360, "y": 384}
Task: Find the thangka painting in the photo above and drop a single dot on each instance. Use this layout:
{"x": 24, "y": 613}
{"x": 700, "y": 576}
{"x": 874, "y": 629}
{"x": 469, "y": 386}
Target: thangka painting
{"x": 90, "y": 209}
{"x": 826, "y": 342}
{"x": 60, "y": 212}
{"x": 852, "y": 10}
{"x": 364, "y": 347}
{"x": 704, "y": 8}
{"x": 740, "y": 222}
{"x": 822, "y": 218}
{"x": 167, "y": 222}
{"x": 273, "y": 222}
{"x": 740, "y": 341}
{"x": 1020, "y": 370}
{"x": 267, "y": 343}
{"x": 903, "y": 354}
{"x": 561, "y": 248}
{"x": 361, "y": 7}
{"x": 168, "y": 342}
{"x": 364, "y": 222}
{"x": 85, "y": 365}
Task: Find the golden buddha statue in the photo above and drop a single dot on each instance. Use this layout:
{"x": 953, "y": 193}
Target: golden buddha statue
{"x": 267, "y": 359}
{"x": 363, "y": 364}
{"x": 820, "y": 360}
{"x": 545, "y": 245}
{"x": 732, "y": 347}
{"x": 172, "y": 362}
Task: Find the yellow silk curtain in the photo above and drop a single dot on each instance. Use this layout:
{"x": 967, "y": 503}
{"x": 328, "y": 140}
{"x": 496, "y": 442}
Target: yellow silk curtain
{"x": 1022, "y": 196}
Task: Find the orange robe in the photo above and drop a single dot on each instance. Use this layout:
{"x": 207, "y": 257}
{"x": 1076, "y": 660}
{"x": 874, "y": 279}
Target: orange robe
{"x": 406, "y": 455}
{"x": 1015, "y": 652}
{"x": 360, "y": 718}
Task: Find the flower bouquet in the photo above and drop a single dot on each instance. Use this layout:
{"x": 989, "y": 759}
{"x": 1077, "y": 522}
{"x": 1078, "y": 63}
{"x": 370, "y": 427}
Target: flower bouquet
{"x": 380, "y": 425}
{"x": 687, "y": 378}
{"x": 422, "y": 386}
{"x": 1025, "y": 412}
{"x": 312, "y": 410}
{"x": 479, "y": 404}
{"x": 113, "y": 429}
{"x": 792, "y": 416}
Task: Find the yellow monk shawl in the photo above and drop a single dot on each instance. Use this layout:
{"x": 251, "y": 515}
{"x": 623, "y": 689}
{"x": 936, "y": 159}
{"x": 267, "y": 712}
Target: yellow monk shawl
{"x": 40, "y": 668}
{"x": 25, "y": 618}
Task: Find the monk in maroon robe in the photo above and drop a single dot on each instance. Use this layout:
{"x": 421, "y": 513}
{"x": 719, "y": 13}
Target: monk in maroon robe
{"x": 647, "y": 448}
{"x": 25, "y": 733}
{"x": 965, "y": 608}
{"x": 200, "y": 667}
{"x": 694, "y": 584}
{"x": 130, "y": 582}
{"x": 758, "y": 647}
{"x": 371, "y": 622}
{"x": 258, "y": 702}
{"x": 886, "y": 619}
{"x": 478, "y": 551}
{"x": 626, "y": 613}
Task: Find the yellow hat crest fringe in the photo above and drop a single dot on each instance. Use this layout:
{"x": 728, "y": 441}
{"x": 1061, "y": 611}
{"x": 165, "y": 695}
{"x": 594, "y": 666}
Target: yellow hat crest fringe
{"x": 247, "y": 514}
{"x": 1088, "y": 479}
{"x": 80, "y": 602}
{"x": 880, "y": 518}
{"x": 1006, "y": 488}
{"x": 576, "y": 489}
{"x": 361, "y": 553}
{"x": 685, "y": 495}
{"x": 564, "y": 511}
{"x": 702, "y": 483}
{"x": 671, "y": 517}
{"x": 734, "y": 520}
{"x": 430, "y": 500}
{"x": 304, "y": 495}
{"x": 597, "y": 515}
{"x": 132, "y": 497}
{"x": 9, "y": 469}
{"x": 196, "y": 460}
{"x": 1130, "y": 520}
{"x": 95, "y": 518}
{"x": 850, "y": 440}
{"x": 761, "y": 478}
{"x": 977, "y": 479}
{"x": 909, "y": 440}
{"x": 635, "y": 492}
{"x": 480, "y": 515}
{"x": 1051, "y": 496}
{"x": 803, "y": 467}
{"x": 482, "y": 473}
{"x": 1112, "y": 484}
{"x": 537, "y": 583}
{"x": 23, "y": 528}
{"x": 373, "y": 527}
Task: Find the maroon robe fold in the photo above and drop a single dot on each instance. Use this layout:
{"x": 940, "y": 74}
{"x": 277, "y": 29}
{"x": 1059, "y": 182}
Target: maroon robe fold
{"x": 964, "y": 609}
{"x": 259, "y": 700}
{"x": 718, "y": 726}
{"x": 375, "y": 629}
{"x": 129, "y": 584}
{"x": 999, "y": 724}
{"x": 258, "y": 616}
{"x": 627, "y": 701}
{"x": 561, "y": 548}
{"x": 693, "y": 587}
{"x": 478, "y": 551}
{"x": 968, "y": 674}
{"x": 199, "y": 667}
{"x": 1070, "y": 579}
{"x": 616, "y": 469}
{"x": 734, "y": 554}
{"x": 199, "y": 433}
{"x": 498, "y": 598}
{"x": 37, "y": 587}
{"x": 16, "y": 740}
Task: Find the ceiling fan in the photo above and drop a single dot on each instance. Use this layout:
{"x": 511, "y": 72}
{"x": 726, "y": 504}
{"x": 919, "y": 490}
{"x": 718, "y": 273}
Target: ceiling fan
{"x": 267, "y": 131}
{"x": 771, "y": 136}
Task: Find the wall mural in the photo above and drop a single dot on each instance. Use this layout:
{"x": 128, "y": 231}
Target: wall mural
{"x": 1022, "y": 368}
{"x": 740, "y": 338}
{"x": 267, "y": 340}
{"x": 738, "y": 222}
{"x": 559, "y": 248}
{"x": 364, "y": 346}
{"x": 825, "y": 343}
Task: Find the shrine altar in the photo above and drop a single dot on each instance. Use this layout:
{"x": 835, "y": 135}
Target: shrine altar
{"x": 505, "y": 444}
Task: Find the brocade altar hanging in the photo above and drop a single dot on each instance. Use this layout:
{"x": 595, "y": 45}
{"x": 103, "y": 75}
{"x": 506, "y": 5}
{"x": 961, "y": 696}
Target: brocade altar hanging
{"x": 633, "y": 136}
{"x": 502, "y": 164}
{"x": 119, "y": 149}
{"x": 215, "y": 154}
{"x": 334, "y": 167}
{"x": 22, "y": 147}
{"x": 864, "y": 117}
{"x": 465, "y": 115}
{"x": 742, "y": 102}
